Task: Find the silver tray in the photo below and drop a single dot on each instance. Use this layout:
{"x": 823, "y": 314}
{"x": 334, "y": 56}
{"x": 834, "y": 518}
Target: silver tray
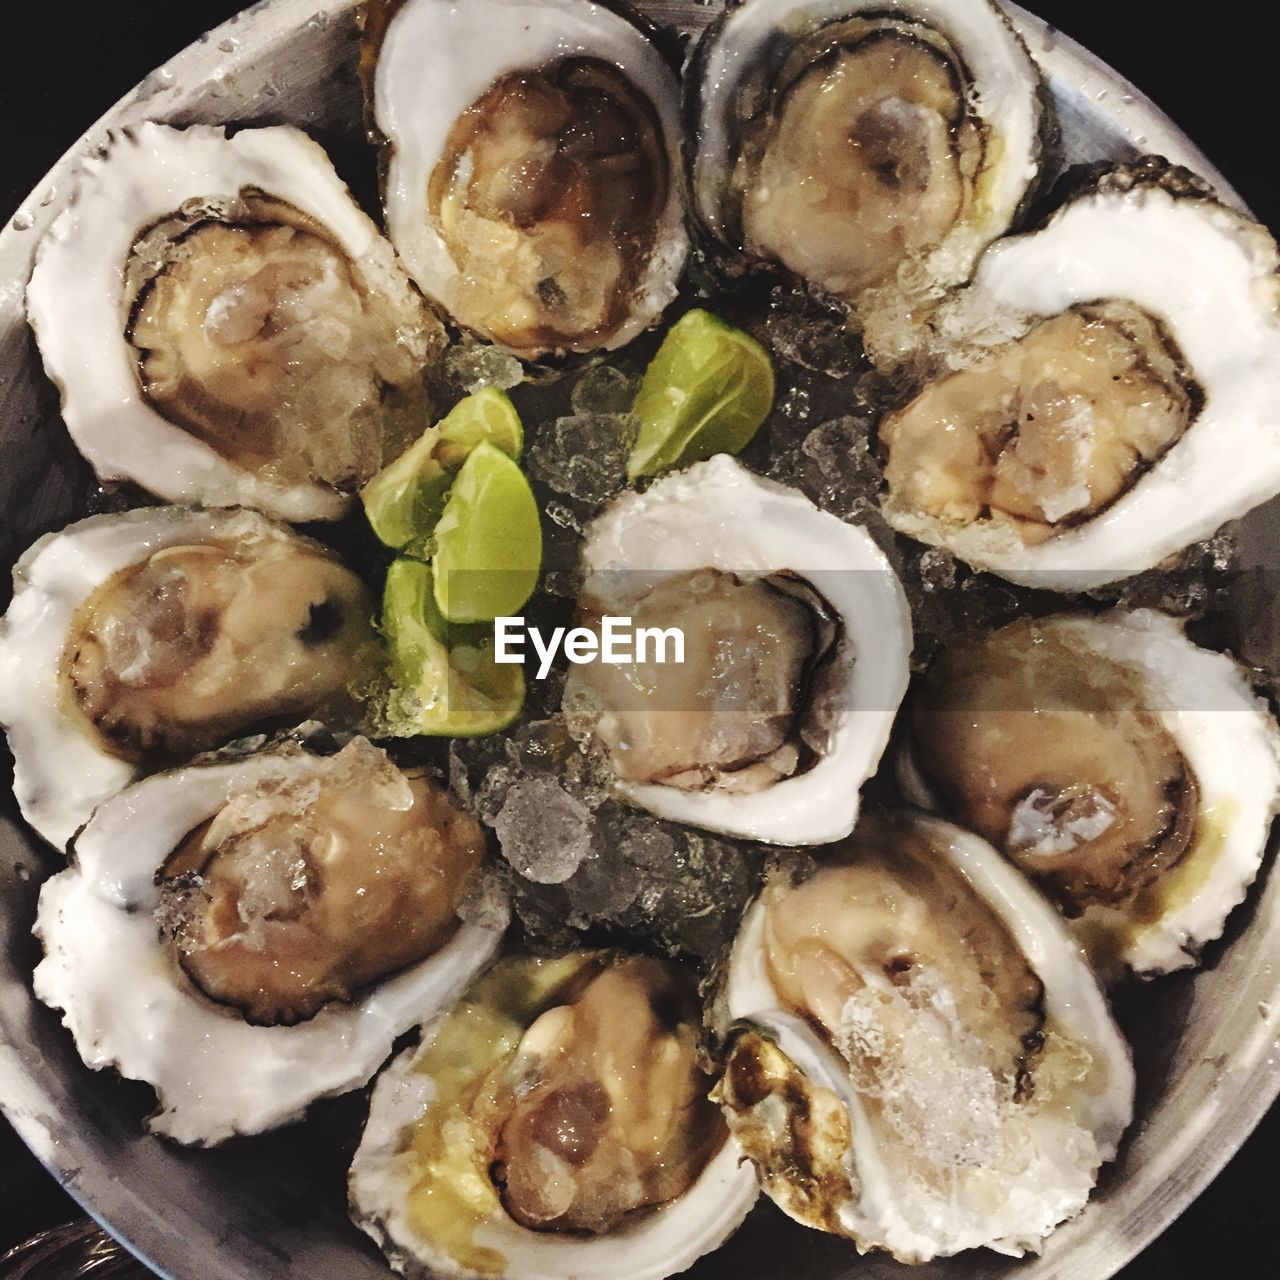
{"x": 270, "y": 1207}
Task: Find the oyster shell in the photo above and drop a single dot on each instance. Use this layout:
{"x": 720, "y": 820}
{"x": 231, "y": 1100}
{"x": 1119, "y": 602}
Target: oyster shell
{"x": 1098, "y": 403}
{"x": 873, "y": 150}
{"x": 797, "y": 636}
{"x": 1131, "y": 774}
{"x": 533, "y": 181}
{"x": 301, "y": 912}
{"x": 226, "y": 326}
{"x": 137, "y": 639}
{"x": 555, "y": 1123}
{"x": 923, "y": 1060}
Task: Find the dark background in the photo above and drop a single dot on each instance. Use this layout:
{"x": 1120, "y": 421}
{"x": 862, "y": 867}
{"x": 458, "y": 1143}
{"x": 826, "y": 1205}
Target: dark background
{"x": 64, "y": 62}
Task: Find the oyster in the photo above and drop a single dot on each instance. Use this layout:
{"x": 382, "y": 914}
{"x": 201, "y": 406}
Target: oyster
{"x": 555, "y": 1123}
{"x": 226, "y": 326}
{"x": 264, "y": 935}
{"x": 143, "y": 638}
{"x": 873, "y": 150}
{"x": 1131, "y": 774}
{"x": 1098, "y": 404}
{"x": 923, "y": 1060}
{"x": 533, "y": 167}
{"x": 796, "y": 639}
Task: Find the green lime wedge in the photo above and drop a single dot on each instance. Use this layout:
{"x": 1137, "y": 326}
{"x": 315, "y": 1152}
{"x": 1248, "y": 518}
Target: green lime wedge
{"x": 488, "y": 542}
{"x": 486, "y": 415}
{"x": 708, "y": 390}
{"x": 405, "y": 499}
{"x": 446, "y": 681}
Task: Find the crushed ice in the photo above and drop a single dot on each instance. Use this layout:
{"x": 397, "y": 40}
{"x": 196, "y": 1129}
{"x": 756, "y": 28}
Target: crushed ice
{"x": 580, "y": 866}
{"x": 545, "y": 833}
{"x": 835, "y": 466}
{"x": 603, "y": 389}
{"x": 909, "y": 1049}
{"x": 471, "y": 366}
{"x": 812, "y": 335}
{"x": 1048, "y": 821}
{"x": 584, "y": 455}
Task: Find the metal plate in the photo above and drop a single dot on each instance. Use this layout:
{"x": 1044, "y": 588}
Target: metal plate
{"x": 269, "y": 1207}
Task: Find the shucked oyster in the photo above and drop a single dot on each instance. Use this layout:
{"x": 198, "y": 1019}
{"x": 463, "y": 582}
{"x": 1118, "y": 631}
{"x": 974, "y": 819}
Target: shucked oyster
{"x": 555, "y": 1123}
{"x": 796, "y": 636}
{"x": 731, "y": 715}
{"x": 247, "y": 935}
{"x": 533, "y": 179}
{"x": 1131, "y": 774}
{"x": 870, "y": 148}
{"x": 138, "y": 639}
{"x": 1104, "y": 408}
{"x": 226, "y": 325}
{"x": 923, "y": 1060}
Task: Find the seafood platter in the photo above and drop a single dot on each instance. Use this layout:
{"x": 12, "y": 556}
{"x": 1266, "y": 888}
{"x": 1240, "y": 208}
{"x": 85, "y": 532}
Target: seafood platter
{"x": 894, "y": 357}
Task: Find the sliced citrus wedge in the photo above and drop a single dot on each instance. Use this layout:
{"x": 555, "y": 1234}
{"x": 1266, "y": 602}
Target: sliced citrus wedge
{"x": 488, "y": 542}
{"x": 707, "y": 391}
{"x": 404, "y": 500}
{"x": 446, "y": 681}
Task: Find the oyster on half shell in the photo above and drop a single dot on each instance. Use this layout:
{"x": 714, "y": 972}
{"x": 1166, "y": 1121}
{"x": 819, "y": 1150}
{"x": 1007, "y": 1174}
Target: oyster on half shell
{"x": 226, "y": 325}
{"x": 555, "y": 1123}
{"x": 1131, "y": 774}
{"x": 533, "y": 178}
{"x": 250, "y": 933}
{"x": 796, "y": 637}
{"x": 139, "y": 639}
{"x": 872, "y": 149}
{"x": 922, "y": 1060}
{"x": 1110, "y": 392}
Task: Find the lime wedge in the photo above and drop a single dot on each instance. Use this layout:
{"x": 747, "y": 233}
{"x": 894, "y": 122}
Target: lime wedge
{"x": 488, "y": 541}
{"x": 708, "y": 390}
{"x": 486, "y": 415}
{"x": 446, "y": 681}
{"x": 405, "y": 499}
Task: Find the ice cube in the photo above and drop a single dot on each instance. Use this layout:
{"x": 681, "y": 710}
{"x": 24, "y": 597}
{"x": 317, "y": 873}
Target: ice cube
{"x": 937, "y": 569}
{"x": 584, "y": 455}
{"x": 491, "y": 795}
{"x": 544, "y": 832}
{"x": 603, "y": 389}
{"x": 834, "y": 466}
{"x": 543, "y": 911}
{"x": 471, "y": 366}
{"x": 602, "y": 888}
{"x": 814, "y": 335}
{"x": 486, "y": 901}
{"x": 647, "y": 845}
{"x": 542, "y": 746}
{"x": 692, "y": 903}
{"x": 565, "y": 516}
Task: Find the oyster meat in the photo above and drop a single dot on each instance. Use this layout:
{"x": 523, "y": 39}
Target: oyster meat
{"x": 872, "y": 150}
{"x": 1098, "y": 402}
{"x": 226, "y": 326}
{"x": 251, "y": 933}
